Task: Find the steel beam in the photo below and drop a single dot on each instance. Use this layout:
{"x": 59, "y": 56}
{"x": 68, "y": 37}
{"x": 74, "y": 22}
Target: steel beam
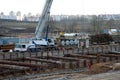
{"x": 13, "y": 67}
{"x": 62, "y": 58}
{"x": 21, "y": 64}
{"x": 81, "y": 56}
{"x": 44, "y": 60}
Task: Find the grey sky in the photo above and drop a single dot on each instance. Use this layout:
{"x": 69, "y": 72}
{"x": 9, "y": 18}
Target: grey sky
{"x": 67, "y": 7}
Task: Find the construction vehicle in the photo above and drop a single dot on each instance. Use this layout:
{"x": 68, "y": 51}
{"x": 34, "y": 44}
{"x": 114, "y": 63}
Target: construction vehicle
{"x": 35, "y": 45}
{"x": 38, "y": 41}
{"x": 6, "y": 47}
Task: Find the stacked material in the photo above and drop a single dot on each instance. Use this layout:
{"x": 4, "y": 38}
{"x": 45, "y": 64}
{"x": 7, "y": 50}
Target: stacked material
{"x": 101, "y": 39}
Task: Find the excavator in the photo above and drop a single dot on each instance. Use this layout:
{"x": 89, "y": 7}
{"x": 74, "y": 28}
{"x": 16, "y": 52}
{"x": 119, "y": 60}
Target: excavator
{"x": 38, "y": 41}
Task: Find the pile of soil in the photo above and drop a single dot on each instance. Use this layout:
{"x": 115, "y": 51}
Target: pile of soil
{"x": 99, "y": 68}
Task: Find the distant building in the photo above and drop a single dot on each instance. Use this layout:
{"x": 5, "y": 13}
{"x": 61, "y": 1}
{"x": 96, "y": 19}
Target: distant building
{"x": 59, "y": 17}
{"x": 11, "y": 16}
{"x": 111, "y": 31}
{"x": 8, "y": 17}
{"x": 30, "y": 18}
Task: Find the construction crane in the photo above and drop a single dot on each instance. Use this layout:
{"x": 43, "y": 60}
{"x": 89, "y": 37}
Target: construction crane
{"x": 44, "y": 17}
{"x": 41, "y": 24}
{"x": 39, "y": 40}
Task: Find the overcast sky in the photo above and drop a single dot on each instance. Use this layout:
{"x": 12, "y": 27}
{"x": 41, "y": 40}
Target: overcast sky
{"x": 67, "y": 7}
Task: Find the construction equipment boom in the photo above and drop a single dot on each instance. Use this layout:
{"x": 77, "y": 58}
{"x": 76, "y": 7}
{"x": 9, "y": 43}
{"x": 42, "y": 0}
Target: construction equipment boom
{"x": 39, "y": 41}
{"x": 43, "y": 19}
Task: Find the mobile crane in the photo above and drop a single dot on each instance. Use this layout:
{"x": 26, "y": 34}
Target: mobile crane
{"x": 38, "y": 40}
{"x": 39, "y": 29}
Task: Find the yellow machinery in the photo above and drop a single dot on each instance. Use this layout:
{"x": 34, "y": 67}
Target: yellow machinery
{"x": 6, "y": 48}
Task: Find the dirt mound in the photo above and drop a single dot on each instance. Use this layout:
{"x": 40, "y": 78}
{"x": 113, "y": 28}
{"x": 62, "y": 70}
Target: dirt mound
{"x": 103, "y": 67}
{"x": 98, "y": 68}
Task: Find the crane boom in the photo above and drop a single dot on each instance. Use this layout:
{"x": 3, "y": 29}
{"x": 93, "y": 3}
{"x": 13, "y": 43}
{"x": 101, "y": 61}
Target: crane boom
{"x": 39, "y": 43}
{"x": 43, "y": 19}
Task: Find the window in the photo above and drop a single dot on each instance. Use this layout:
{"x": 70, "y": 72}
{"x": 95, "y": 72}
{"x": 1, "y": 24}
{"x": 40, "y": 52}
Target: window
{"x": 23, "y": 46}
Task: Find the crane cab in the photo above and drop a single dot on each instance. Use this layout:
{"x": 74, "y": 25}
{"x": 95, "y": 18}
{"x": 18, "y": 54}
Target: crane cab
{"x": 23, "y": 47}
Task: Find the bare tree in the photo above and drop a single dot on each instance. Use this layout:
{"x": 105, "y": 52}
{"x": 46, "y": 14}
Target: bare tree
{"x": 110, "y": 23}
